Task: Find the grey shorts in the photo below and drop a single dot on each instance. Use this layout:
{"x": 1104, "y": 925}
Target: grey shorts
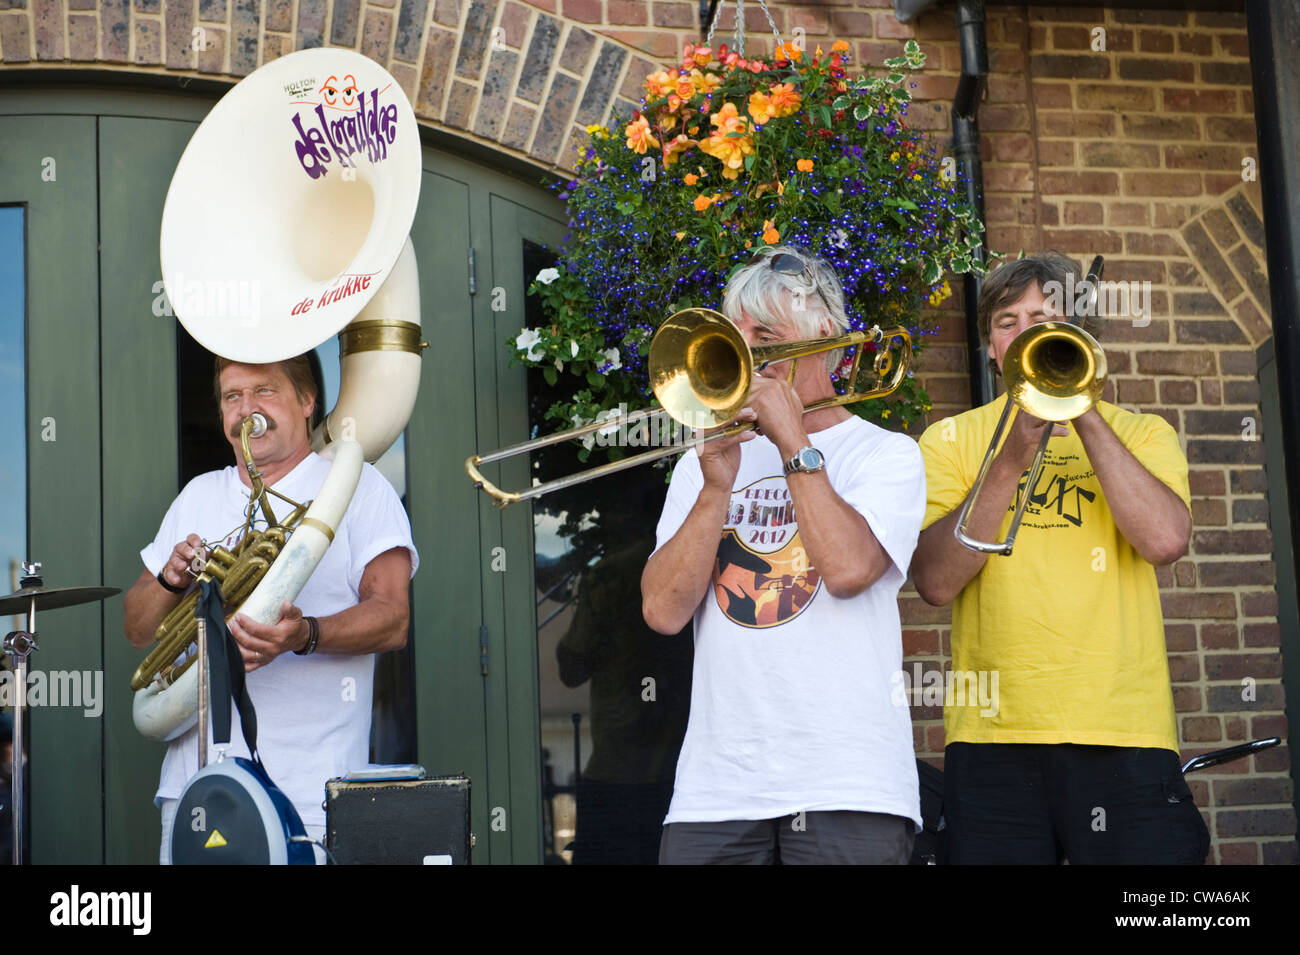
{"x": 837, "y": 837}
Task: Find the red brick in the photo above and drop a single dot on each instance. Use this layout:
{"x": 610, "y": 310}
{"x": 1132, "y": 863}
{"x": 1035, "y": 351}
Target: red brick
{"x": 1230, "y": 129}
{"x": 1234, "y": 727}
{"x": 1202, "y": 729}
{"x": 1204, "y": 157}
{"x": 1232, "y": 542}
{"x": 1149, "y": 126}
{"x": 1188, "y": 699}
{"x": 1080, "y": 183}
{"x": 1157, "y": 70}
{"x": 1180, "y": 636}
{"x": 1193, "y": 606}
{"x": 1234, "y": 44}
{"x": 1220, "y": 636}
{"x": 1262, "y": 604}
{"x": 920, "y": 643}
{"x": 1238, "y": 853}
{"x": 1082, "y": 240}
{"x": 1008, "y": 179}
{"x": 1083, "y": 213}
{"x": 1050, "y": 95}
{"x": 678, "y": 15}
{"x": 1114, "y": 96}
{"x": 887, "y": 25}
{"x": 1162, "y": 184}
{"x": 1133, "y": 155}
{"x": 1081, "y": 125}
{"x": 1198, "y": 101}
{"x": 1014, "y": 147}
{"x": 1056, "y": 152}
{"x": 1126, "y": 213}
{"x": 1212, "y": 512}
{"x": 1156, "y": 41}
{"x": 584, "y": 11}
{"x": 626, "y": 12}
{"x": 1260, "y": 635}
{"x": 1199, "y": 44}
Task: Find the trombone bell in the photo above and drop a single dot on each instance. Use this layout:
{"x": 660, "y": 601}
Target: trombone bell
{"x": 1054, "y": 371}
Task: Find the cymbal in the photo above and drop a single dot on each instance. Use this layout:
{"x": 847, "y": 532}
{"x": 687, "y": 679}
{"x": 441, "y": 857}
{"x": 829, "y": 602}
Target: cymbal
{"x": 51, "y": 598}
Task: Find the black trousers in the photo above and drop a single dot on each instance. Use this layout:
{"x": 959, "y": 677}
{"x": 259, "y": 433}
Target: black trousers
{"x": 1010, "y": 803}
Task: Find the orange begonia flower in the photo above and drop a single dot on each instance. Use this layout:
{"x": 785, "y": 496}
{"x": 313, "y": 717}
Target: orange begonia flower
{"x": 840, "y": 46}
{"x": 639, "y": 137}
{"x": 804, "y": 165}
{"x": 732, "y": 141}
{"x": 690, "y": 179}
{"x": 678, "y": 144}
{"x": 785, "y": 99}
{"x": 770, "y": 235}
{"x": 702, "y": 202}
{"x": 760, "y": 108}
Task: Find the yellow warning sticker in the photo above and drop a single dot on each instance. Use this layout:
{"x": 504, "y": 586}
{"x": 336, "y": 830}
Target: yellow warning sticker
{"x": 215, "y": 841}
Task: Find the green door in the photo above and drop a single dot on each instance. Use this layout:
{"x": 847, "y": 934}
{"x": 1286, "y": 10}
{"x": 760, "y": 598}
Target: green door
{"x": 48, "y": 165}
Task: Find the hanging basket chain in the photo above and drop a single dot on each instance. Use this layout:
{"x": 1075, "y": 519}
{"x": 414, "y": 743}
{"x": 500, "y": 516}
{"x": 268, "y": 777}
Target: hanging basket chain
{"x": 739, "y": 33}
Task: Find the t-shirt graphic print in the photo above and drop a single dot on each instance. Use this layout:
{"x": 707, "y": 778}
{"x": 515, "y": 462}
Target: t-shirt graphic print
{"x": 762, "y": 577}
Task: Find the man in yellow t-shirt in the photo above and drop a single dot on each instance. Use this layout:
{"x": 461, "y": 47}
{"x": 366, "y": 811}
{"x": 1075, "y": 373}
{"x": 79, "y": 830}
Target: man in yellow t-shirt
{"x": 1059, "y": 724}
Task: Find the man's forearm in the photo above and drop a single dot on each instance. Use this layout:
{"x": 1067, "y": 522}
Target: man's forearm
{"x": 1152, "y": 518}
{"x": 942, "y": 565}
{"x": 676, "y": 577}
{"x": 838, "y": 540}
{"x": 376, "y": 625}
{"x": 145, "y": 606}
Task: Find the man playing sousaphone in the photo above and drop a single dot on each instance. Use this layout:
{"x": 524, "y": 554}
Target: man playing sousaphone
{"x": 1078, "y": 759}
{"x": 310, "y": 674}
{"x": 794, "y": 751}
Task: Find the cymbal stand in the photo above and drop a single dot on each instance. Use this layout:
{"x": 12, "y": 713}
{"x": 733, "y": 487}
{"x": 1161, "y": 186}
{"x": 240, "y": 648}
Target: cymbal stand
{"x": 19, "y": 644}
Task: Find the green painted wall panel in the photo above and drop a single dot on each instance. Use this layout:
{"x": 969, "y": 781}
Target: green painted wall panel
{"x": 138, "y": 367}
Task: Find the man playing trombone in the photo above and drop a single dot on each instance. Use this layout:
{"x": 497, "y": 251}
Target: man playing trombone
{"x": 1078, "y": 758}
{"x": 787, "y": 547}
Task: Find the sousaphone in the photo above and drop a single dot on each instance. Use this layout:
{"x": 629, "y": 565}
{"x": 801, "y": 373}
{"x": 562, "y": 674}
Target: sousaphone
{"x": 287, "y": 222}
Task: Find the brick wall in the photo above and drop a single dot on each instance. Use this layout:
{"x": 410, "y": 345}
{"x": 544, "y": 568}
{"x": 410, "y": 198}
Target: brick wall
{"x": 1133, "y": 151}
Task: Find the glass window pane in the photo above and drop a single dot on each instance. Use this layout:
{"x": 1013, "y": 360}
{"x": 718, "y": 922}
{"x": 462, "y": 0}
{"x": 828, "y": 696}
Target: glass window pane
{"x": 13, "y": 395}
{"x": 614, "y": 694}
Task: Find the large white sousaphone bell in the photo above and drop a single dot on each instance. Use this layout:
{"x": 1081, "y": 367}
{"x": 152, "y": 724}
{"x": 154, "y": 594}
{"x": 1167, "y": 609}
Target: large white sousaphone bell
{"x": 287, "y": 222}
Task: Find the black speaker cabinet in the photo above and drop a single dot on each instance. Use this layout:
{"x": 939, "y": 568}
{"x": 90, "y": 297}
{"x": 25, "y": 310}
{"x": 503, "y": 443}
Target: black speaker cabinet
{"x": 399, "y": 822}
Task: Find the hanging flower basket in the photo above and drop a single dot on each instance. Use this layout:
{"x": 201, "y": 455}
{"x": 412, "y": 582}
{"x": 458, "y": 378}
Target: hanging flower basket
{"x": 724, "y": 156}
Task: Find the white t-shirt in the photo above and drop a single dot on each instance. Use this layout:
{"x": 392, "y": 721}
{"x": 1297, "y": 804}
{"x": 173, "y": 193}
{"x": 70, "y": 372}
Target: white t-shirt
{"x": 313, "y": 712}
{"x": 791, "y": 697}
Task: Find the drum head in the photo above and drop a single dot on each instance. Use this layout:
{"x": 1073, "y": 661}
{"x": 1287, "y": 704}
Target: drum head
{"x": 228, "y": 815}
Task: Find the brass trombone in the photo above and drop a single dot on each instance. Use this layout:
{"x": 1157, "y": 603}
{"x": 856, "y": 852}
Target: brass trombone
{"x": 700, "y": 369}
{"x": 1054, "y": 371}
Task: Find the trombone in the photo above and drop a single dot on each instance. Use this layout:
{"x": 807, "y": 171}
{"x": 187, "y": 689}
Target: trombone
{"x": 700, "y": 370}
{"x": 1054, "y": 371}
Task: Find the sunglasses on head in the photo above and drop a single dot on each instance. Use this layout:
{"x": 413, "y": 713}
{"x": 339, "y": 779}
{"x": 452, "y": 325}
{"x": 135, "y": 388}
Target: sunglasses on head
{"x": 788, "y": 264}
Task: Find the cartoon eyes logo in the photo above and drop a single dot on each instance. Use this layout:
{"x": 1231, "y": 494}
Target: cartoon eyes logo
{"x": 340, "y": 95}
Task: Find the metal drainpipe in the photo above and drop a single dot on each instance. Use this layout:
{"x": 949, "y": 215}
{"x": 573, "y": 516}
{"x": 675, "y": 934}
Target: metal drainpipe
{"x": 966, "y": 147}
{"x": 1273, "y": 31}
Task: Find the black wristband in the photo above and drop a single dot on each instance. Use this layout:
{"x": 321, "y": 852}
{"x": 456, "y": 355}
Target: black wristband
{"x": 313, "y": 635}
{"x": 166, "y": 586}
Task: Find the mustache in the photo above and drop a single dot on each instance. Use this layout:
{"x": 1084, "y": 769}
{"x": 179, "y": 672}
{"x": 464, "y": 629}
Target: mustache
{"x": 270, "y": 426}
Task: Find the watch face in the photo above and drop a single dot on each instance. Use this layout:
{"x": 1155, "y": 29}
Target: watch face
{"x": 810, "y": 459}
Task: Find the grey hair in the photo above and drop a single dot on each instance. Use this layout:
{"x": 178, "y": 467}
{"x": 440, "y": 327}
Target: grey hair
{"x": 771, "y": 298}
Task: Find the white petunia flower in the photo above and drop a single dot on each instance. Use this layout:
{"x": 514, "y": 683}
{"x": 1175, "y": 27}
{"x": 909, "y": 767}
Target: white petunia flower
{"x": 529, "y": 341}
{"x": 573, "y": 346}
{"x": 547, "y": 276}
{"x": 611, "y": 356}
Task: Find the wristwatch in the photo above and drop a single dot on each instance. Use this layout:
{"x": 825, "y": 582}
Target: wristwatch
{"x": 805, "y": 461}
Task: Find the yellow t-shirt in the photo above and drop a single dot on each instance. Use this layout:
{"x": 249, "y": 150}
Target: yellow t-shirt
{"x": 1069, "y": 625}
